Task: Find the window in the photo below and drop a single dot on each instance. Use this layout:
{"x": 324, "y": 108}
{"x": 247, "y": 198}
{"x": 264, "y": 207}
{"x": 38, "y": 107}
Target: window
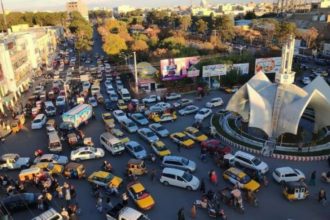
{"x": 171, "y": 176}
{"x": 290, "y": 175}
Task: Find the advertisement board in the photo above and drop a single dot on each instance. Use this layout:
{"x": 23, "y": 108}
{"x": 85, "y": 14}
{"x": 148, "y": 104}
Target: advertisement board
{"x": 178, "y": 68}
{"x": 268, "y": 65}
{"x": 214, "y": 70}
{"x": 242, "y": 67}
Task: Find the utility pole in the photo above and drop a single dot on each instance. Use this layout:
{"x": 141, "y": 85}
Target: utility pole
{"x": 4, "y": 18}
{"x": 135, "y": 74}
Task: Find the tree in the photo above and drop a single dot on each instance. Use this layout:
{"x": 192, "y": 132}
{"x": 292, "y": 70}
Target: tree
{"x": 185, "y": 22}
{"x": 174, "y": 42}
{"x": 153, "y": 41}
{"x": 310, "y": 36}
{"x": 225, "y": 26}
{"x": 139, "y": 45}
{"x": 114, "y": 44}
{"x": 284, "y": 30}
{"x": 250, "y": 15}
{"x": 232, "y": 77}
{"x": 201, "y": 26}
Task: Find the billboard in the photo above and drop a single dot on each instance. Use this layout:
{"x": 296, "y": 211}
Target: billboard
{"x": 268, "y": 65}
{"x": 242, "y": 67}
{"x": 178, "y": 68}
{"x": 214, "y": 70}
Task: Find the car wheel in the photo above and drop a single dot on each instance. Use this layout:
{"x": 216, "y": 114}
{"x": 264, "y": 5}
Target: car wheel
{"x": 165, "y": 183}
{"x": 78, "y": 159}
{"x": 189, "y": 188}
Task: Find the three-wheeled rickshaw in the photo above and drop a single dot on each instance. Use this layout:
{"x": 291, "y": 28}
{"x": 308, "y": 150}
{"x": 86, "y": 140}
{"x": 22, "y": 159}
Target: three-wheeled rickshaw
{"x": 74, "y": 171}
{"x": 295, "y": 190}
{"x": 136, "y": 167}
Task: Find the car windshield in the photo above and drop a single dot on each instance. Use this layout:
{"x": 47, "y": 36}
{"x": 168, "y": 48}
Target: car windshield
{"x": 131, "y": 124}
{"x": 187, "y": 176}
{"x": 109, "y": 177}
{"x": 149, "y": 134}
{"x": 139, "y": 117}
{"x": 120, "y": 114}
{"x": 185, "y": 161}
{"x": 160, "y": 128}
{"x": 256, "y": 161}
{"x": 138, "y": 148}
{"x": 37, "y": 121}
{"x": 245, "y": 179}
{"x": 118, "y": 145}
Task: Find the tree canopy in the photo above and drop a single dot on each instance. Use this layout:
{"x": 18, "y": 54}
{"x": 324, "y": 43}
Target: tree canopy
{"x": 114, "y": 44}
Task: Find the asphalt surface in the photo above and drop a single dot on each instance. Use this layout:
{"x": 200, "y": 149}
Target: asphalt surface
{"x": 272, "y": 204}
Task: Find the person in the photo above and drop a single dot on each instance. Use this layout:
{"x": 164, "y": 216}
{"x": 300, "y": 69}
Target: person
{"x": 65, "y": 214}
{"x": 214, "y": 177}
{"x": 99, "y": 205}
{"x": 125, "y": 199}
{"x": 202, "y": 186}
{"x": 181, "y": 214}
{"x": 153, "y": 174}
{"x": 312, "y": 180}
{"x": 193, "y": 211}
{"x": 251, "y": 196}
{"x": 67, "y": 193}
{"x": 203, "y": 154}
{"x": 322, "y": 197}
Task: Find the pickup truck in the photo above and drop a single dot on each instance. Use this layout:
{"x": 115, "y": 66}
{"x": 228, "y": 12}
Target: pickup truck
{"x": 120, "y": 212}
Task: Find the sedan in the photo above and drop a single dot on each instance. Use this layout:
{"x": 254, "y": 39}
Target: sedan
{"x": 51, "y": 158}
{"x": 182, "y": 103}
{"x": 86, "y": 153}
{"x": 160, "y": 105}
{"x": 151, "y": 99}
{"x": 203, "y": 113}
{"x": 136, "y": 149}
{"x": 288, "y": 174}
{"x": 238, "y": 178}
{"x": 18, "y": 202}
{"x": 215, "y": 102}
{"x": 129, "y": 125}
{"x": 140, "y": 195}
{"x": 148, "y": 135}
{"x": 60, "y": 101}
{"x": 160, "y": 149}
{"x": 159, "y": 129}
{"x": 86, "y": 86}
{"x": 173, "y": 96}
{"x": 139, "y": 118}
{"x": 188, "y": 110}
{"x": 119, "y": 115}
{"x": 182, "y": 139}
{"x": 195, "y": 134}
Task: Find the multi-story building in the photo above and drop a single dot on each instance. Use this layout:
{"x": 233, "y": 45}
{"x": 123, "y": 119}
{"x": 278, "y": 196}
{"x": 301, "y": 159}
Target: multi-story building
{"x": 79, "y": 6}
{"x": 23, "y": 54}
{"x": 122, "y": 9}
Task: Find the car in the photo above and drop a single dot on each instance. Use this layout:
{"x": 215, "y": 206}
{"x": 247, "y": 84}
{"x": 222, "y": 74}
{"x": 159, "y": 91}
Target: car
{"x": 129, "y": 125}
{"x": 139, "y": 118}
{"x": 141, "y": 197}
{"x": 14, "y": 161}
{"x": 113, "y": 96}
{"x": 190, "y": 109}
{"x": 195, "y": 134}
{"x": 51, "y": 168}
{"x": 202, "y": 114}
{"x": 182, "y": 139}
{"x": 215, "y": 102}
{"x": 160, "y": 149}
{"x": 150, "y": 99}
{"x": 172, "y": 96}
{"x": 121, "y": 104}
{"x": 182, "y": 103}
{"x": 238, "y": 178}
{"x": 110, "y": 90}
{"x": 92, "y": 101}
{"x": 288, "y": 174}
{"x": 108, "y": 83}
{"x": 60, "y": 101}
{"x": 163, "y": 117}
{"x": 120, "y": 135}
{"x": 179, "y": 163}
{"x": 105, "y": 179}
{"x": 244, "y": 159}
{"x": 119, "y": 115}
{"x": 18, "y": 202}
{"x": 86, "y": 153}
{"x": 108, "y": 105}
{"x": 51, "y": 158}
{"x": 213, "y": 146}
{"x": 108, "y": 120}
{"x": 39, "y": 121}
{"x": 136, "y": 149}
{"x": 231, "y": 90}
{"x": 159, "y": 129}
{"x": 306, "y": 80}
{"x": 160, "y": 106}
{"x": 179, "y": 178}
{"x": 86, "y": 85}
{"x": 148, "y": 135}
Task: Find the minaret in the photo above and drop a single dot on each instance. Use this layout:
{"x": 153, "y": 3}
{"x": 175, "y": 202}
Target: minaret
{"x": 285, "y": 75}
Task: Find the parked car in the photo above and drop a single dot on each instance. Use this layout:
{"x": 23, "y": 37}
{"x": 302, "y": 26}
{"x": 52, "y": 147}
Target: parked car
{"x": 14, "y": 161}
{"x": 188, "y": 110}
{"x": 86, "y": 153}
{"x": 159, "y": 129}
{"x": 203, "y": 113}
{"x": 288, "y": 174}
{"x": 179, "y": 163}
{"x": 148, "y": 135}
{"x": 52, "y": 158}
{"x": 215, "y": 102}
{"x": 140, "y": 196}
{"x": 136, "y": 149}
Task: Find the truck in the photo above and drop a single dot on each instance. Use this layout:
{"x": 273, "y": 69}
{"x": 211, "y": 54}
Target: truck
{"x": 78, "y": 115}
{"x": 120, "y": 212}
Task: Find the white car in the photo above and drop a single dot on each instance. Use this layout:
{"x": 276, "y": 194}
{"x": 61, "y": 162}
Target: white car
{"x": 14, "y": 161}
{"x": 160, "y": 105}
{"x": 119, "y": 115}
{"x": 110, "y": 90}
{"x": 129, "y": 125}
{"x": 60, "y": 101}
{"x": 148, "y": 135}
{"x": 179, "y": 178}
{"x": 113, "y": 96}
{"x": 203, "y": 113}
{"x": 288, "y": 174}
{"x": 159, "y": 129}
{"x": 108, "y": 82}
{"x": 86, "y": 153}
{"x": 215, "y": 102}
{"x": 51, "y": 158}
{"x": 173, "y": 96}
{"x": 151, "y": 99}
{"x": 188, "y": 110}
{"x": 92, "y": 101}
{"x": 39, "y": 121}
{"x": 244, "y": 159}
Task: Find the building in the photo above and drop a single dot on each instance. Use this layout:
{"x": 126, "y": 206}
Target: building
{"x": 122, "y": 9}
{"x": 277, "y": 108}
{"x": 79, "y": 6}
{"x": 325, "y": 4}
{"x": 22, "y": 55}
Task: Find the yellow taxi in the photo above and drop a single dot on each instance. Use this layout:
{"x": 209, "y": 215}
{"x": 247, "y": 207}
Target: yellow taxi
{"x": 182, "y": 139}
{"x": 238, "y": 177}
{"x": 195, "y": 134}
{"x": 120, "y": 135}
{"x": 121, "y": 104}
{"x": 160, "y": 149}
{"x": 104, "y": 179}
{"x": 51, "y": 168}
{"x": 165, "y": 117}
{"x": 140, "y": 195}
{"x": 108, "y": 120}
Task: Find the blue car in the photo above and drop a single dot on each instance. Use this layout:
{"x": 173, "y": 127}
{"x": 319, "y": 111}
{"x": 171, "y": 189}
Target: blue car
{"x": 139, "y": 118}
{"x": 136, "y": 149}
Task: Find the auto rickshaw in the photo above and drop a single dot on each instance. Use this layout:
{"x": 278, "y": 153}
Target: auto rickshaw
{"x": 295, "y": 191}
{"x": 29, "y": 175}
{"x": 74, "y": 171}
{"x": 136, "y": 167}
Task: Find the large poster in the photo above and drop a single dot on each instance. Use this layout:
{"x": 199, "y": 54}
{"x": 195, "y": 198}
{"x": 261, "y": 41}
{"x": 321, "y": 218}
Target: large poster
{"x": 214, "y": 70}
{"x": 268, "y": 65}
{"x": 178, "y": 68}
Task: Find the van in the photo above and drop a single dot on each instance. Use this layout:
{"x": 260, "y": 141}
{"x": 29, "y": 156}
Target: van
{"x": 125, "y": 94}
{"x": 112, "y": 143}
{"x": 54, "y": 144}
{"x": 50, "y": 214}
{"x": 50, "y": 109}
{"x": 179, "y": 162}
{"x": 179, "y": 178}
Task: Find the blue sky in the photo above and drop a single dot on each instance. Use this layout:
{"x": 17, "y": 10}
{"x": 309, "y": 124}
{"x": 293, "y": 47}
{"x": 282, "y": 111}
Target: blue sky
{"x": 37, "y": 5}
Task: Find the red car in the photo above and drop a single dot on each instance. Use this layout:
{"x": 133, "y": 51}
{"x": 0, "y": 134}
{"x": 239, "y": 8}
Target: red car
{"x": 213, "y": 145}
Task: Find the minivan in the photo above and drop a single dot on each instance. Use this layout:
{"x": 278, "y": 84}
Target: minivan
{"x": 125, "y": 94}
{"x": 179, "y": 162}
{"x": 54, "y": 144}
{"x": 179, "y": 178}
{"x": 50, "y": 214}
{"x": 112, "y": 143}
{"x": 50, "y": 109}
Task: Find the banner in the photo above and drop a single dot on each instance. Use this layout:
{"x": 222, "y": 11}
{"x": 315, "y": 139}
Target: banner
{"x": 178, "y": 68}
{"x": 193, "y": 72}
{"x": 268, "y": 65}
{"x": 214, "y": 70}
{"x": 242, "y": 67}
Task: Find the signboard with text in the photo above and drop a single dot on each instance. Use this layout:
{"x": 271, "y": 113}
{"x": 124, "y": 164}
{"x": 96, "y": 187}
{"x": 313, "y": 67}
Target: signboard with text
{"x": 178, "y": 68}
{"x": 214, "y": 70}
